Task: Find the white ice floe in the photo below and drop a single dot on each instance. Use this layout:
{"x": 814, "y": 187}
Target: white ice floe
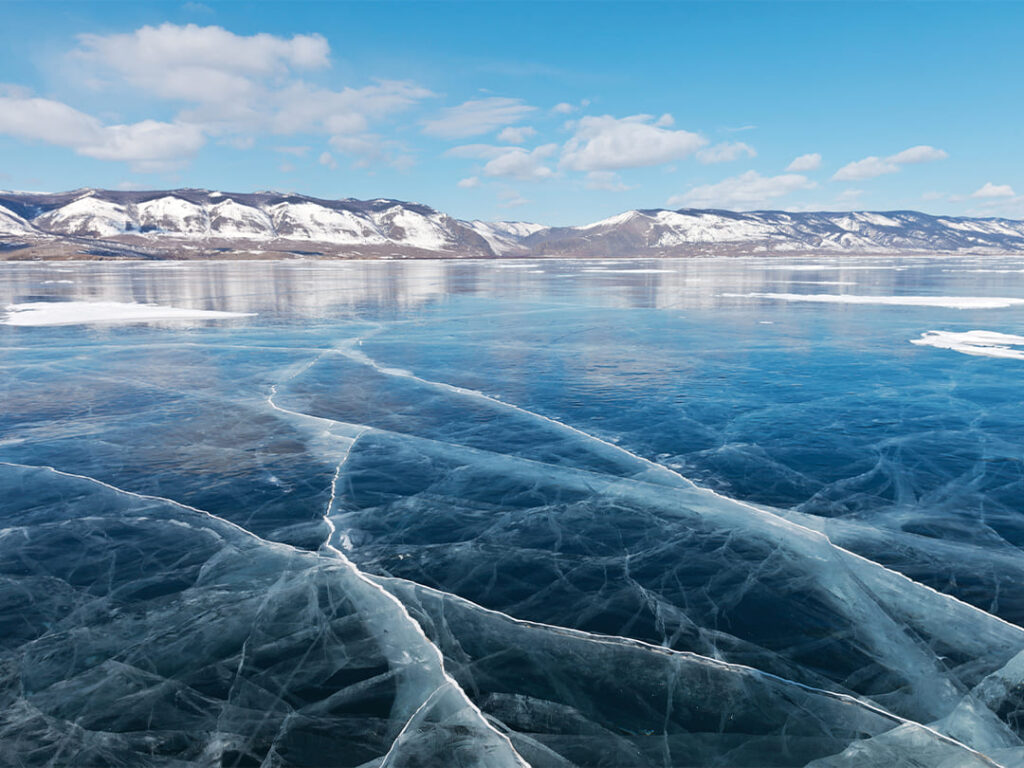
{"x": 980, "y": 343}
{"x": 949, "y": 302}
{"x": 76, "y": 312}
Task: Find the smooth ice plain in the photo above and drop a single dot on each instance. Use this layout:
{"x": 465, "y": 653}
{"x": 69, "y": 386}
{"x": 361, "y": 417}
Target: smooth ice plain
{"x": 741, "y": 512}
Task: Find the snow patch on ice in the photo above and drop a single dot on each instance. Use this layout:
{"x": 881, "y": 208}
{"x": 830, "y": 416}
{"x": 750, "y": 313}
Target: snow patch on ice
{"x": 949, "y": 302}
{"x": 979, "y": 343}
{"x": 80, "y": 312}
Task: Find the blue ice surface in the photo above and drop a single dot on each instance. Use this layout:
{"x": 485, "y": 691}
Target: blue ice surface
{"x": 573, "y": 513}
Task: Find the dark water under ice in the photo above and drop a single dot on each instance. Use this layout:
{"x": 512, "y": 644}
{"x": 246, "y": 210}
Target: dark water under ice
{"x": 643, "y": 513}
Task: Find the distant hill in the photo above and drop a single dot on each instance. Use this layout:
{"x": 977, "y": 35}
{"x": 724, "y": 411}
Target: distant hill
{"x": 199, "y": 223}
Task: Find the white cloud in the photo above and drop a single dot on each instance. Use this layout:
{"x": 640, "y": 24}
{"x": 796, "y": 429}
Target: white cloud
{"x": 605, "y": 180}
{"x": 607, "y": 143}
{"x": 932, "y": 196}
{"x": 327, "y": 159}
{"x": 146, "y": 140}
{"x": 473, "y": 118}
{"x": 470, "y": 182}
{"x": 808, "y": 162}
{"x": 510, "y": 162}
{"x": 230, "y": 85}
{"x": 515, "y": 135}
{"x": 147, "y": 144}
{"x": 725, "y": 152}
{"x": 919, "y": 154}
{"x": 48, "y": 121}
{"x": 746, "y": 190}
{"x": 994, "y": 190}
{"x": 196, "y": 63}
{"x": 300, "y": 107}
{"x": 872, "y": 167}
{"x": 868, "y": 168}
{"x": 565, "y": 108}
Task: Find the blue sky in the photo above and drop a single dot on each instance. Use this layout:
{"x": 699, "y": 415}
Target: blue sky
{"x": 551, "y": 112}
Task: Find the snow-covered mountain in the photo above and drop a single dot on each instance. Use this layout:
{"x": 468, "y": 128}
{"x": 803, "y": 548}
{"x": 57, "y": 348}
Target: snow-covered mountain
{"x": 691, "y": 232}
{"x": 193, "y": 223}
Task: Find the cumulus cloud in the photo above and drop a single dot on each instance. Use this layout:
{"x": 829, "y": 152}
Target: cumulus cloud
{"x": 229, "y": 85}
{"x": 473, "y": 118}
{"x": 608, "y": 143}
{"x": 146, "y": 144}
{"x": 804, "y": 163}
{"x": 470, "y": 182}
{"x": 994, "y": 190}
{"x": 517, "y": 135}
{"x": 725, "y": 152}
{"x": 746, "y": 190}
{"x": 510, "y": 162}
{"x": 872, "y": 167}
{"x": 194, "y": 63}
{"x": 327, "y": 159}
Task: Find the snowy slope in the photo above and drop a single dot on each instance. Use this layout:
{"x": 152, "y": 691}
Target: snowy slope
{"x": 87, "y": 216}
{"x": 12, "y": 224}
{"x": 505, "y": 237}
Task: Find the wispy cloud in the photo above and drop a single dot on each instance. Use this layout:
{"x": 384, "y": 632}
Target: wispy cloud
{"x": 746, "y": 190}
{"x": 726, "y": 152}
{"x": 476, "y": 117}
{"x": 804, "y": 163}
{"x": 873, "y": 167}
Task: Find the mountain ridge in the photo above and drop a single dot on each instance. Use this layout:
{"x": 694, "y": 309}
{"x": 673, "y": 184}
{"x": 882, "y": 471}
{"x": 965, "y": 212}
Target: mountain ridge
{"x": 198, "y": 223}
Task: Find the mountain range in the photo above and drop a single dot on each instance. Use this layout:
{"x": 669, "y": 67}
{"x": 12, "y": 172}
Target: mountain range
{"x": 197, "y": 223}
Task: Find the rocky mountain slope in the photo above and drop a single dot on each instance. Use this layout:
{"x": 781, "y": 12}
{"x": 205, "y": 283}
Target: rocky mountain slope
{"x": 192, "y": 223}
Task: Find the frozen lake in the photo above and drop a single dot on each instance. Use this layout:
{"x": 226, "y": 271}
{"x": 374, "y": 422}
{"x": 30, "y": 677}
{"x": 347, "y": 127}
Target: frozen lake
{"x": 744, "y": 512}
